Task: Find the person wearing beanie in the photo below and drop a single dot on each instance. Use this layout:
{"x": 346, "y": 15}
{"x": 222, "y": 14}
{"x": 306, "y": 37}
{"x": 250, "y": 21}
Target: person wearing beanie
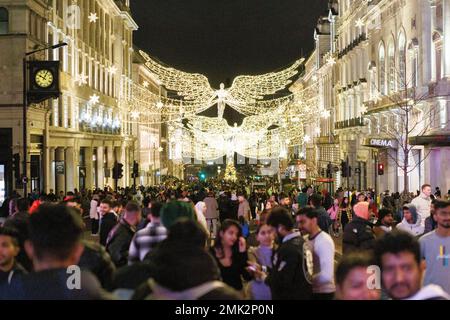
{"x": 358, "y": 234}
{"x": 384, "y": 223}
{"x": 174, "y": 210}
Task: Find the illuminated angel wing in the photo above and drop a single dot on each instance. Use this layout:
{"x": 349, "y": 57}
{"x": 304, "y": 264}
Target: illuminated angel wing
{"x": 193, "y": 87}
{"x": 248, "y": 89}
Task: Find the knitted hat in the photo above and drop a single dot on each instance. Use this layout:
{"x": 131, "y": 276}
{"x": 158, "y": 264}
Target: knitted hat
{"x": 361, "y": 209}
{"x": 174, "y": 210}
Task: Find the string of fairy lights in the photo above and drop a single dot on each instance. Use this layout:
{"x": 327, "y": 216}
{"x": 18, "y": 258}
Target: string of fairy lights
{"x": 269, "y": 128}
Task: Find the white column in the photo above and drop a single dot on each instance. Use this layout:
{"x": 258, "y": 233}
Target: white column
{"x": 89, "y": 167}
{"x": 446, "y": 45}
{"x": 50, "y": 170}
{"x": 433, "y": 48}
{"x": 71, "y": 169}
{"x": 100, "y": 164}
{"x": 424, "y": 44}
{"x": 60, "y": 178}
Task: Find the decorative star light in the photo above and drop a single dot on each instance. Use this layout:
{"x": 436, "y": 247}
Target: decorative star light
{"x": 159, "y": 105}
{"x": 326, "y": 114}
{"x": 160, "y": 149}
{"x": 363, "y": 109}
{"x": 93, "y": 17}
{"x": 306, "y": 138}
{"x": 317, "y": 131}
{"x": 82, "y": 79}
{"x": 359, "y": 23}
{"x": 145, "y": 84}
{"x": 135, "y": 115}
{"x": 113, "y": 69}
{"x": 331, "y": 61}
{"x": 94, "y": 99}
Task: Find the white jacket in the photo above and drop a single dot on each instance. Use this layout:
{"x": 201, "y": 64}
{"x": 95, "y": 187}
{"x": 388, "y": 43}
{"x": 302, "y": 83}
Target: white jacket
{"x": 423, "y": 206}
{"x": 415, "y": 229}
{"x": 430, "y": 292}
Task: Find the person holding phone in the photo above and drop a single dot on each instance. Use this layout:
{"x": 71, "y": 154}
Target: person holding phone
{"x": 230, "y": 252}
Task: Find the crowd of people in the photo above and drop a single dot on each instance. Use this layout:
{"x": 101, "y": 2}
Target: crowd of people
{"x": 202, "y": 242}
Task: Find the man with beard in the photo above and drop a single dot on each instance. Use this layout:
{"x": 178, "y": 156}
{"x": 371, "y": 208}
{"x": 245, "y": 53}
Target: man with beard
{"x": 291, "y": 274}
{"x": 398, "y": 256}
{"x": 435, "y": 247}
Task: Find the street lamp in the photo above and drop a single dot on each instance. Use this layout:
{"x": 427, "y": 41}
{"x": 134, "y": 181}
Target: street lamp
{"x": 25, "y": 107}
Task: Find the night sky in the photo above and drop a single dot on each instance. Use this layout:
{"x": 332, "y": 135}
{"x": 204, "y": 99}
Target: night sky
{"x": 226, "y": 38}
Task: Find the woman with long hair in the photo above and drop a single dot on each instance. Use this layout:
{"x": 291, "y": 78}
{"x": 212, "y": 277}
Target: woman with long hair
{"x": 230, "y": 252}
{"x": 262, "y": 255}
{"x": 345, "y": 212}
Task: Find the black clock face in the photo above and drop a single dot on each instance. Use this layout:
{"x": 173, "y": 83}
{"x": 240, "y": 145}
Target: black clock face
{"x": 44, "y": 78}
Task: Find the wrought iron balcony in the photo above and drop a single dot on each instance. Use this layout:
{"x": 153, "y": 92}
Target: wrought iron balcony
{"x": 350, "y": 123}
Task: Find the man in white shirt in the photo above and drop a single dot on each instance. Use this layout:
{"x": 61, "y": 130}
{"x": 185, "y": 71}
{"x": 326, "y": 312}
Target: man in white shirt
{"x": 323, "y": 249}
{"x": 423, "y": 203}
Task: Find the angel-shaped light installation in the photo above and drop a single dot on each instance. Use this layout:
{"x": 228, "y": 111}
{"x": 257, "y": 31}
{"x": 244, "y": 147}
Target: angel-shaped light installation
{"x": 243, "y": 94}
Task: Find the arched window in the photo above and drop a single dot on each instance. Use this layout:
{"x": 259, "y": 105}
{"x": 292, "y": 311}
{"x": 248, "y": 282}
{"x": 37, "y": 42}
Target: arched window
{"x": 382, "y": 66}
{"x": 391, "y": 66}
{"x": 402, "y": 80}
{"x": 413, "y": 50}
{"x": 4, "y": 21}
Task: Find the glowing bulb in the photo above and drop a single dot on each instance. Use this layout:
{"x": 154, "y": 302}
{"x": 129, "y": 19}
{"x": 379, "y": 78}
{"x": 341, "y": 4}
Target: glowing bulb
{"x": 94, "y": 99}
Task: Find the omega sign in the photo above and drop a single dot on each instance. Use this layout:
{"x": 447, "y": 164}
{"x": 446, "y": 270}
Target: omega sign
{"x": 383, "y": 143}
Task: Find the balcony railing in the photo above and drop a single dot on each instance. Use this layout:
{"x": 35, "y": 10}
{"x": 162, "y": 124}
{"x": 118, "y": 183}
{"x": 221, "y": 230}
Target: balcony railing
{"x": 362, "y": 37}
{"x": 350, "y": 123}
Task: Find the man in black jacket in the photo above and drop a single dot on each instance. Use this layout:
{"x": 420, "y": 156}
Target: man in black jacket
{"x": 55, "y": 248}
{"x": 358, "y": 233}
{"x": 291, "y": 275}
{"x": 108, "y": 220}
{"x": 119, "y": 239}
{"x": 97, "y": 260}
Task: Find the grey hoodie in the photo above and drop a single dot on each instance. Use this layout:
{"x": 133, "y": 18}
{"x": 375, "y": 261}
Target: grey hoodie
{"x": 415, "y": 228}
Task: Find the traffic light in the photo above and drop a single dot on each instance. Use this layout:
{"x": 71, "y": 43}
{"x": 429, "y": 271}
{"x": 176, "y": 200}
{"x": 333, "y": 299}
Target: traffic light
{"x": 329, "y": 171}
{"x": 135, "y": 169}
{"x": 16, "y": 166}
{"x": 118, "y": 171}
{"x": 380, "y": 169}
{"x": 344, "y": 169}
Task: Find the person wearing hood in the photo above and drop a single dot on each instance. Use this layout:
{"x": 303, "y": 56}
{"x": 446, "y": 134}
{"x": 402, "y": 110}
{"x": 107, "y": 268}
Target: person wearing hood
{"x": 423, "y": 203}
{"x": 182, "y": 269}
{"x": 411, "y": 221}
{"x": 358, "y": 233}
{"x": 402, "y": 268}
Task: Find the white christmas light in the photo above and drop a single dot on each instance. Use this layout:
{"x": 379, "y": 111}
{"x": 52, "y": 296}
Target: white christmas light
{"x": 306, "y": 138}
{"x": 331, "y": 61}
{"x": 135, "y": 115}
{"x": 145, "y": 84}
{"x": 112, "y": 69}
{"x": 94, "y": 99}
{"x": 326, "y": 114}
{"x": 93, "y": 17}
{"x": 359, "y": 23}
{"x": 81, "y": 79}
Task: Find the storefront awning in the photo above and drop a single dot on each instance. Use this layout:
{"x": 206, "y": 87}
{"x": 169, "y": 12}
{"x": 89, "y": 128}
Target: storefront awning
{"x": 437, "y": 140}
